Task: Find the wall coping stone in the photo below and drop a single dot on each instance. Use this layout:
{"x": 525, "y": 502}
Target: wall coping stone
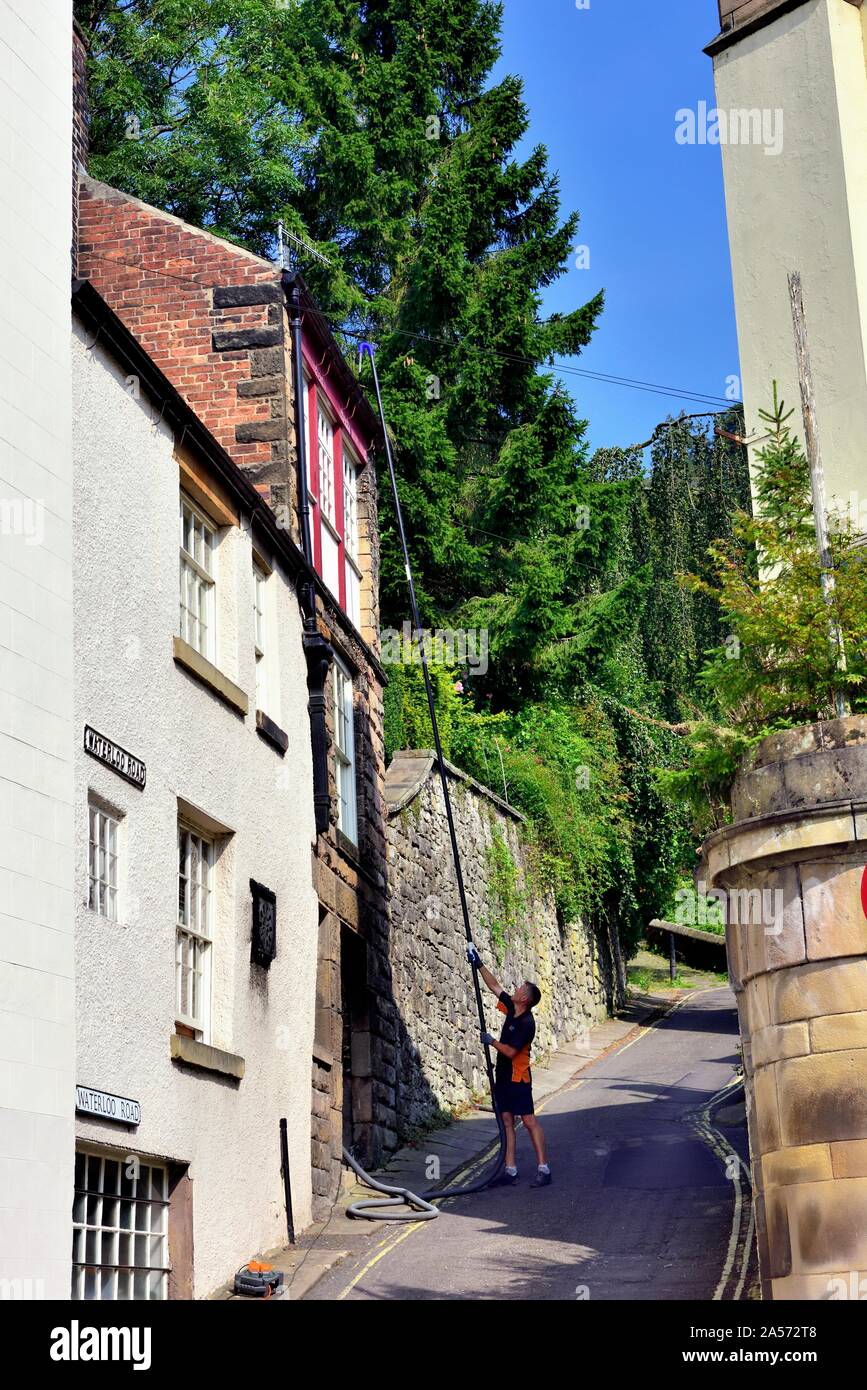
{"x": 712, "y": 938}
{"x": 410, "y": 769}
{"x": 825, "y": 735}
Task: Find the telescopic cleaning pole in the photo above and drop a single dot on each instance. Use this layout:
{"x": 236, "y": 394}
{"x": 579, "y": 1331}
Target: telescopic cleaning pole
{"x": 362, "y": 1208}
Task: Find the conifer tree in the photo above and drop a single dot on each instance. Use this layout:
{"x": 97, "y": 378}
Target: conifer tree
{"x": 787, "y": 648}
{"x": 374, "y": 131}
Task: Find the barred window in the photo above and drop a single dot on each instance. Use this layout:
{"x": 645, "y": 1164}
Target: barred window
{"x": 120, "y": 1246}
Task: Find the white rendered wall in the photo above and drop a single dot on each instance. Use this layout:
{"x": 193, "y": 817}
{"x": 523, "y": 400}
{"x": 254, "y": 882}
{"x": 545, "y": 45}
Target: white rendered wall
{"x": 804, "y": 209}
{"x": 36, "y": 731}
{"x": 196, "y": 748}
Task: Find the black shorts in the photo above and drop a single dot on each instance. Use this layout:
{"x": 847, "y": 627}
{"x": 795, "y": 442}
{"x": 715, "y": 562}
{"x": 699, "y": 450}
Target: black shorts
{"x": 515, "y": 1097}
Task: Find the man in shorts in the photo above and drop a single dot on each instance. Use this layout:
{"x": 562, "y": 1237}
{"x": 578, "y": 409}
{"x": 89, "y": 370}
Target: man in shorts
{"x": 513, "y": 1080}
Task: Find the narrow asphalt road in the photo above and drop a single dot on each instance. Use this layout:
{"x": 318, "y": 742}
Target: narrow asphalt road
{"x": 640, "y": 1208}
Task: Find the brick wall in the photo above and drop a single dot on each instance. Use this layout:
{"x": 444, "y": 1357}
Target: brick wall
{"x": 210, "y": 315}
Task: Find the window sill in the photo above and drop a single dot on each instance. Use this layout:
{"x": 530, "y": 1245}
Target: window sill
{"x": 205, "y": 1057}
{"x": 271, "y": 732}
{"x": 209, "y": 675}
{"x": 349, "y": 848}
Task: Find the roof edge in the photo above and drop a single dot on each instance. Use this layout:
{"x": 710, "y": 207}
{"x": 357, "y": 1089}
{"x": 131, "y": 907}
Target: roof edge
{"x": 733, "y": 35}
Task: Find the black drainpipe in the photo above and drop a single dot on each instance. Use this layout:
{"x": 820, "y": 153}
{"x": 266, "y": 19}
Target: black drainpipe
{"x": 317, "y": 650}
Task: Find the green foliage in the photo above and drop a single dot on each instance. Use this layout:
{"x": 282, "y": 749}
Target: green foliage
{"x": 690, "y": 908}
{"x": 188, "y": 108}
{"x": 407, "y": 717}
{"x": 702, "y": 780}
{"x": 600, "y": 837}
{"x": 696, "y": 482}
{"x": 373, "y": 130}
{"x": 506, "y": 900}
{"x": 780, "y": 664}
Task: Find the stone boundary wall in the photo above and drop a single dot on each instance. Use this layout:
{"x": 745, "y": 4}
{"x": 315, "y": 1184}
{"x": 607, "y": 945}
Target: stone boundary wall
{"x": 440, "y": 1061}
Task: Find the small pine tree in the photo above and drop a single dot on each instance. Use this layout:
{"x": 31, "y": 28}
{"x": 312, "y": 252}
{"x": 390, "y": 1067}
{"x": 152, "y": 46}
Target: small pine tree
{"x": 790, "y": 647}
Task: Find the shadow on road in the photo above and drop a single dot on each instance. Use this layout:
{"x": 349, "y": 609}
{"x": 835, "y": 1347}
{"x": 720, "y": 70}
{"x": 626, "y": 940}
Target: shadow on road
{"x": 640, "y": 1208}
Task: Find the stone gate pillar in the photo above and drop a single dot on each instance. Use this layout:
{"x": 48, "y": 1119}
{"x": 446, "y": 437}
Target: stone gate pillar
{"x": 792, "y": 871}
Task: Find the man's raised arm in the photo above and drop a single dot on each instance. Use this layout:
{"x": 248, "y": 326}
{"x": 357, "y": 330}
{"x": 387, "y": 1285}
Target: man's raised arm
{"x": 476, "y": 962}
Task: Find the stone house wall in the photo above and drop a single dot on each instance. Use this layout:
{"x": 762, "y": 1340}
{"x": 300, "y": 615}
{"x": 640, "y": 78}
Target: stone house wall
{"x": 439, "y": 1060}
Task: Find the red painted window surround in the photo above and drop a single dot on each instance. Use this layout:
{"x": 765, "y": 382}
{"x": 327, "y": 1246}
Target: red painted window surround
{"x": 320, "y": 386}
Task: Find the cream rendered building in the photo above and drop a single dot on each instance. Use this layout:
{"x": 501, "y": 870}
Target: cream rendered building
{"x": 803, "y": 208}
{"x": 36, "y": 729}
{"x": 193, "y": 794}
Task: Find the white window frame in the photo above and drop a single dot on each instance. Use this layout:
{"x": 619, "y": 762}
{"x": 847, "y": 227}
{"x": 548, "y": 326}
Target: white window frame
{"x": 350, "y": 505}
{"x": 120, "y": 1228}
{"x": 325, "y": 430}
{"x": 260, "y": 632}
{"x": 198, "y": 574}
{"x": 194, "y": 940}
{"x": 103, "y": 840}
{"x": 344, "y": 752}
{"x": 352, "y": 565}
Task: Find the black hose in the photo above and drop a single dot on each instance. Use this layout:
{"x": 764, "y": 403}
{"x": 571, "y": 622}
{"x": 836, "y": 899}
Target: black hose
{"x": 371, "y": 1209}
{"x": 422, "y": 1203}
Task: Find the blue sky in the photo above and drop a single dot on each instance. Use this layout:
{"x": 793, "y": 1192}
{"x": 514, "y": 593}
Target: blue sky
{"x": 603, "y": 85}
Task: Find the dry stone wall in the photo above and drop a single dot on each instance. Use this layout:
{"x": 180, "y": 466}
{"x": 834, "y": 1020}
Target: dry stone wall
{"x": 579, "y": 971}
